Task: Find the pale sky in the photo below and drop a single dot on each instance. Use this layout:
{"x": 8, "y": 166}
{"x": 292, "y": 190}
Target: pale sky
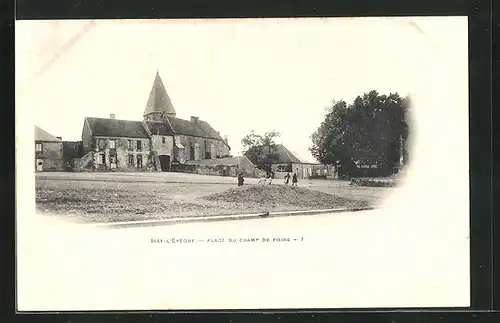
{"x": 238, "y": 75}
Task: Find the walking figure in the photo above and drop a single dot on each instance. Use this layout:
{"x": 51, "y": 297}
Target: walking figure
{"x": 287, "y": 178}
{"x": 240, "y": 179}
{"x": 294, "y": 179}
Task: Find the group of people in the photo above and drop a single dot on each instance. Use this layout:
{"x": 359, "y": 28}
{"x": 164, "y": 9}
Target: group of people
{"x": 295, "y": 181}
{"x": 268, "y": 179}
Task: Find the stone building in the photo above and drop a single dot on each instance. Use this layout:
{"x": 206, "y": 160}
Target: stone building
{"x": 156, "y": 143}
{"x": 48, "y": 151}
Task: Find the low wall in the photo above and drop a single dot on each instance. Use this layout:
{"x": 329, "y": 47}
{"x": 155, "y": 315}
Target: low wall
{"x": 216, "y": 170}
{"x": 229, "y": 166}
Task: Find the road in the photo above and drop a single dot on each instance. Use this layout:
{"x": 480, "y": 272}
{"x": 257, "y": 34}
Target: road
{"x": 362, "y": 259}
{"x": 205, "y": 183}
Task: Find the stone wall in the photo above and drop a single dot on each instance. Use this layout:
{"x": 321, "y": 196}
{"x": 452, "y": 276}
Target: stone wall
{"x": 163, "y": 145}
{"x": 236, "y": 165}
{"x": 123, "y": 157}
{"x": 204, "y": 145}
{"x": 52, "y": 156}
{"x": 215, "y": 170}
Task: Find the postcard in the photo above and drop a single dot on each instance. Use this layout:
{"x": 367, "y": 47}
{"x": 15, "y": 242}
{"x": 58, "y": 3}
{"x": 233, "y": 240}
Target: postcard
{"x": 205, "y": 164}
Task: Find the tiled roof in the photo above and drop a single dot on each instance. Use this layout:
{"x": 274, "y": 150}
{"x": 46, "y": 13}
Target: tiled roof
{"x": 194, "y": 128}
{"x": 158, "y": 100}
{"x": 283, "y": 155}
{"x": 159, "y": 128}
{"x": 42, "y": 135}
{"x": 116, "y": 128}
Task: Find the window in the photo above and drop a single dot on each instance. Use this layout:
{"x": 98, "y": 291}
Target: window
{"x": 130, "y": 159}
{"x": 281, "y": 168}
{"x": 112, "y": 144}
{"x": 139, "y": 145}
{"x": 139, "y": 161}
{"x": 101, "y": 144}
{"x": 162, "y": 140}
{"x": 130, "y": 145}
{"x": 38, "y": 147}
{"x": 103, "y": 159}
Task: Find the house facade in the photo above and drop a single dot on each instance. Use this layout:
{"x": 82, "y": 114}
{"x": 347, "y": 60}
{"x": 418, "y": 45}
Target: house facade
{"x": 48, "y": 151}
{"x": 156, "y": 143}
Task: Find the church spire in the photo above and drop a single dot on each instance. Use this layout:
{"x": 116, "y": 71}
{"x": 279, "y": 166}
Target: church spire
{"x": 159, "y": 102}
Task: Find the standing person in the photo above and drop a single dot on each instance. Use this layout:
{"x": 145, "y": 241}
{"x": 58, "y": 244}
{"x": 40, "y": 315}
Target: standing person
{"x": 240, "y": 179}
{"x": 294, "y": 179}
{"x": 287, "y": 178}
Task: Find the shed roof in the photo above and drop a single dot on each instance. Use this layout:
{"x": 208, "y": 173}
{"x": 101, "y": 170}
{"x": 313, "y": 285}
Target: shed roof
{"x": 42, "y": 135}
{"x": 283, "y": 155}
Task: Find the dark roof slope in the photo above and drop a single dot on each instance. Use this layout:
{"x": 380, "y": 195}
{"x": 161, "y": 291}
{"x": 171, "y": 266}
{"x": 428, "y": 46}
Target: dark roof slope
{"x": 283, "y": 155}
{"x": 158, "y": 100}
{"x": 117, "y": 128}
{"x": 194, "y": 128}
{"x": 159, "y": 128}
{"x": 42, "y": 135}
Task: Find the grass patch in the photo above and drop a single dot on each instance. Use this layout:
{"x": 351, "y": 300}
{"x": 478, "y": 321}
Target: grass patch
{"x": 283, "y": 197}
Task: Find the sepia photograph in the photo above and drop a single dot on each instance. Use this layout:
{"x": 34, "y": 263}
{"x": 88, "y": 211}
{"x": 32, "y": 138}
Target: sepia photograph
{"x": 242, "y": 163}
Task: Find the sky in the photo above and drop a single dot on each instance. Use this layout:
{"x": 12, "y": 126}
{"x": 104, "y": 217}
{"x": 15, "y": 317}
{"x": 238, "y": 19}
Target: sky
{"x": 237, "y": 74}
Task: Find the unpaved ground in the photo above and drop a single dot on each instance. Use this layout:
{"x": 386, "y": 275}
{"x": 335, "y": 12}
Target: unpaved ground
{"x": 111, "y": 198}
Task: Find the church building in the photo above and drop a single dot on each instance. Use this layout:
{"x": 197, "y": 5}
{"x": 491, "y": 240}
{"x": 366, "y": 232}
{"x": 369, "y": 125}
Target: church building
{"x": 157, "y": 143}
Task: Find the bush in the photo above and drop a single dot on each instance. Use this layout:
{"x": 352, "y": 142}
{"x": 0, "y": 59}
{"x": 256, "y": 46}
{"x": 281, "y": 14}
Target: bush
{"x": 374, "y": 182}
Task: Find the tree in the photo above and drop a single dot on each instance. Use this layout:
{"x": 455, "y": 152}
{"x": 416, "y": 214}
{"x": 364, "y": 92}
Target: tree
{"x": 368, "y": 131}
{"x": 261, "y": 149}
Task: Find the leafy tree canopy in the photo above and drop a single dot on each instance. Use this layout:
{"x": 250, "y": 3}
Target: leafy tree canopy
{"x": 367, "y": 131}
{"x": 261, "y": 149}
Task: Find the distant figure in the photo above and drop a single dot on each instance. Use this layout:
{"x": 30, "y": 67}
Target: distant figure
{"x": 270, "y": 180}
{"x": 263, "y": 179}
{"x": 287, "y": 178}
{"x": 294, "y": 179}
{"x": 240, "y": 179}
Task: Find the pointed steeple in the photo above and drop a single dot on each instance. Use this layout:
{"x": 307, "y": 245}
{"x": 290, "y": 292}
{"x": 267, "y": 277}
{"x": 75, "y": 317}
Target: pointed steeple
{"x": 159, "y": 102}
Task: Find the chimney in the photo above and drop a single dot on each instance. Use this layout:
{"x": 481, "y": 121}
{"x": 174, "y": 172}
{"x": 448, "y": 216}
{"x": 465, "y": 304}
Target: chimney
{"x": 194, "y": 119}
{"x": 112, "y": 116}
{"x": 225, "y": 140}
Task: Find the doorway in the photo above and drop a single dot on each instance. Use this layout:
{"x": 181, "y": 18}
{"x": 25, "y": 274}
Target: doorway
{"x": 165, "y": 163}
{"x": 39, "y": 165}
